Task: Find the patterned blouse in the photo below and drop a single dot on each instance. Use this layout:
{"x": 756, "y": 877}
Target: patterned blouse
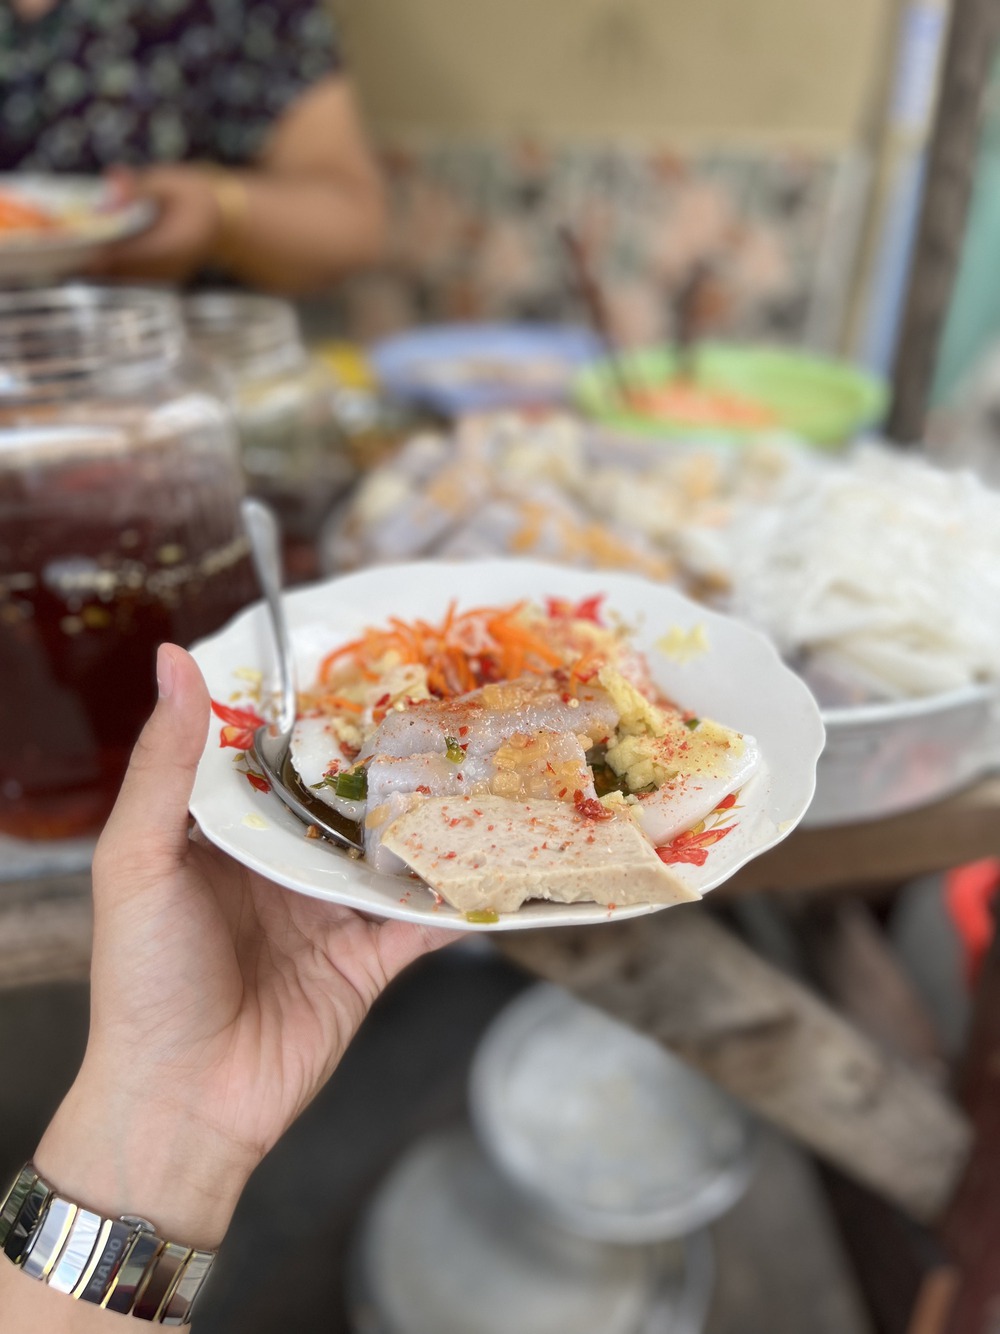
{"x": 98, "y": 82}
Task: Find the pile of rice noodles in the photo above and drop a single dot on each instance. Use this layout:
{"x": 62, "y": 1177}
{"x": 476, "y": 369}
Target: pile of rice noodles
{"x": 880, "y": 571}
{"x": 877, "y": 573}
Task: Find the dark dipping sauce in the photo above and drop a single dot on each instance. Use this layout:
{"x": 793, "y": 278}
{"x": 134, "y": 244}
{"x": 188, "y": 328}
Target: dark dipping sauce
{"x": 105, "y": 553}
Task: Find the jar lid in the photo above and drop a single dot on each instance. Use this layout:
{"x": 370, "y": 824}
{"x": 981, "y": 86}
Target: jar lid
{"x": 600, "y": 1126}
{"x": 245, "y": 332}
{"x": 54, "y": 341}
{"x": 447, "y": 1246}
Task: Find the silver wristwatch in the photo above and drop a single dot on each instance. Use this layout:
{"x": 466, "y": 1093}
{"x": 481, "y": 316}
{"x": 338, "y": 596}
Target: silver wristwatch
{"x": 118, "y": 1263}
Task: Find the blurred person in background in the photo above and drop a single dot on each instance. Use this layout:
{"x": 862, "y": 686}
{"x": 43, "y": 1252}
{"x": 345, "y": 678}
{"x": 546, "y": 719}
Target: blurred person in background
{"x": 234, "y": 117}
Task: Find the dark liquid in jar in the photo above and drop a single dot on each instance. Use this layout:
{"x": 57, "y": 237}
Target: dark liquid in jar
{"x": 101, "y": 560}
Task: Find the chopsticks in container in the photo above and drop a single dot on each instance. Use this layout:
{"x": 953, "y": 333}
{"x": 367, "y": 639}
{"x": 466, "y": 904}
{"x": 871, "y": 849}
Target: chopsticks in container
{"x": 596, "y": 307}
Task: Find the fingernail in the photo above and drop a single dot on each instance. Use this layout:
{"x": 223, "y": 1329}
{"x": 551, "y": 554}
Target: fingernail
{"x": 164, "y": 672}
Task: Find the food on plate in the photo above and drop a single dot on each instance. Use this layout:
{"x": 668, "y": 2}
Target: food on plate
{"x": 560, "y": 489}
{"x": 18, "y": 214}
{"x": 45, "y": 220}
{"x": 521, "y": 372}
{"x": 517, "y": 752}
{"x": 684, "y": 402}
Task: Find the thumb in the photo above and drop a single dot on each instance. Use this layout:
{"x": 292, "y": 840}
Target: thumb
{"x": 149, "y": 824}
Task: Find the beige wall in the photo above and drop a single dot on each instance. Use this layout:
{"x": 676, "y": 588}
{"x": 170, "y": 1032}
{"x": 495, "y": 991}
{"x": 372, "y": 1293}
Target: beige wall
{"x": 798, "y": 72}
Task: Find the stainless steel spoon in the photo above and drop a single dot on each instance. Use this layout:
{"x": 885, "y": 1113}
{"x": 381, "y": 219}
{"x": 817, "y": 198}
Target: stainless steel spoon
{"x": 272, "y": 743}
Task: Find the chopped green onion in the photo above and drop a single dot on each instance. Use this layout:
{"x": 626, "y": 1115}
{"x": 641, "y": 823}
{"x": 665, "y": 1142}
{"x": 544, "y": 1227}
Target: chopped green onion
{"x": 485, "y": 916}
{"x": 453, "y": 750}
{"x": 605, "y": 780}
{"x": 352, "y": 784}
{"x": 691, "y": 723}
{"x": 328, "y": 780}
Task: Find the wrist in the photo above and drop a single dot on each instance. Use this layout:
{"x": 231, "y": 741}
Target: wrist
{"x": 119, "y": 1156}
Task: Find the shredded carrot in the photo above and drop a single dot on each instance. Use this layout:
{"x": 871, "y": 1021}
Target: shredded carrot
{"x": 465, "y": 650}
{"x": 585, "y": 669}
{"x": 515, "y": 638}
{"x": 339, "y": 702}
{"x": 342, "y": 652}
{"x": 700, "y": 405}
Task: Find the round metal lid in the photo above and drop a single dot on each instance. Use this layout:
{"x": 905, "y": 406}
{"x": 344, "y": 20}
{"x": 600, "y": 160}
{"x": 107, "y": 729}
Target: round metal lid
{"x": 612, "y": 1136}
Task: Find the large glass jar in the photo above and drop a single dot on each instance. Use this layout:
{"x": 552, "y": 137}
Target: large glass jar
{"x": 294, "y": 454}
{"x": 119, "y": 529}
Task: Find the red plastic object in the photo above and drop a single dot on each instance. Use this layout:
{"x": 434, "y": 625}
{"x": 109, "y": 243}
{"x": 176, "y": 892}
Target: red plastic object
{"x": 969, "y": 894}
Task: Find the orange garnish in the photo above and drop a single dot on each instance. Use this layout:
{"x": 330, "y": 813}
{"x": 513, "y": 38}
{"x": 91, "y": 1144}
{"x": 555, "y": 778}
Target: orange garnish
{"x": 585, "y": 669}
{"x": 339, "y": 702}
{"x": 700, "y": 405}
{"x": 461, "y": 653}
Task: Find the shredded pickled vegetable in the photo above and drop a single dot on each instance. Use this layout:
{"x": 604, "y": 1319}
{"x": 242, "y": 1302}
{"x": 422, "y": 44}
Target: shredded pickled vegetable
{"x": 463, "y": 652}
{"x": 700, "y": 405}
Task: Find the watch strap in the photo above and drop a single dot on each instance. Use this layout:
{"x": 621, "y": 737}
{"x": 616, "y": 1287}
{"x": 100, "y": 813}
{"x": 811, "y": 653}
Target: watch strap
{"x": 120, "y": 1264}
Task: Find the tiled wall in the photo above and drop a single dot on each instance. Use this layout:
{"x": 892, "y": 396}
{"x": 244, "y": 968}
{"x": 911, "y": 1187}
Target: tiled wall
{"x": 475, "y": 234}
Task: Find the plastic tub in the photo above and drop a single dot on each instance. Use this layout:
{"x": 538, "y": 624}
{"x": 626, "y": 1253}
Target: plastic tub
{"x": 603, "y": 1130}
{"x": 826, "y": 402}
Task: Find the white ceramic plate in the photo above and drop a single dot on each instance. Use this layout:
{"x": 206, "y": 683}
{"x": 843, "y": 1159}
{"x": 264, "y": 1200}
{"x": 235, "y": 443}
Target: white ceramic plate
{"x": 737, "y": 679}
{"x": 88, "y": 218}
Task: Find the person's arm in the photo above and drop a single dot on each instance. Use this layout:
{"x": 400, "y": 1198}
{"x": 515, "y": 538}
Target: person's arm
{"x": 311, "y": 210}
{"x": 220, "y": 1004}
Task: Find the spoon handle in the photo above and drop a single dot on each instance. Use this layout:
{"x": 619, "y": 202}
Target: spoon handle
{"x": 265, "y": 547}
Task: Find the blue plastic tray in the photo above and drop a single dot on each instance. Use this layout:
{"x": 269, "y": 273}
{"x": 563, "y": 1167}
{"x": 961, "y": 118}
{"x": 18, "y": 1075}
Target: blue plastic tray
{"x": 423, "y": 366}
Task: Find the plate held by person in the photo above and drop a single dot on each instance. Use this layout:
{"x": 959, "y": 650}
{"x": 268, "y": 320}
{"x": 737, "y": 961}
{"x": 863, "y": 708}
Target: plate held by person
{"x": 716, "y": 666}
{"x": 51, "y": 225}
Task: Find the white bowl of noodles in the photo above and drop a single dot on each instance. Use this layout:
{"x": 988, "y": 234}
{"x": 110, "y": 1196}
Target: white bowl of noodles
{"x": 882, "y": 759}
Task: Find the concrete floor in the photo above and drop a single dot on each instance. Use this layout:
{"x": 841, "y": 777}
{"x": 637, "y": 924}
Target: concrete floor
{"x": 780, "y": 1269}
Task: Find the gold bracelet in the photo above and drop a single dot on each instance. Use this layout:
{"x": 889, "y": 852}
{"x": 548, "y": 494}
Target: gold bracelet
{"x": 232, "y": 199}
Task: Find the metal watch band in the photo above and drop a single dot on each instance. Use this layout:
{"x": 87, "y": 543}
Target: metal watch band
{"x": 117, "y": 1263}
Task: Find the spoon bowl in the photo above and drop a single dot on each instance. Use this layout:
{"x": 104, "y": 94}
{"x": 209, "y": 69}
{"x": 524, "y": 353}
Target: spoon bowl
{"x": 272, "y": 743}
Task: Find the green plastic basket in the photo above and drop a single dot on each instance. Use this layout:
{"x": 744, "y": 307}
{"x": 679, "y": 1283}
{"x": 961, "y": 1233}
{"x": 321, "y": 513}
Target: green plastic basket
{"x": 826, "y": 402}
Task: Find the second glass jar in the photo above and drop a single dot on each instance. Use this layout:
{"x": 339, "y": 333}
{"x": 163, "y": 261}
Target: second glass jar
{"x": 294, "y": 456}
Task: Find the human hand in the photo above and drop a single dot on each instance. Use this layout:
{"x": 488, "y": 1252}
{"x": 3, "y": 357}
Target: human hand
{"x": 220, "y": 1003}
{"x": 183, "y": 235}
